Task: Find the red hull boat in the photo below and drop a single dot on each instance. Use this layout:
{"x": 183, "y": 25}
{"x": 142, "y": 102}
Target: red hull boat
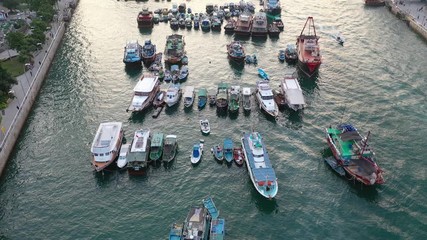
{"x": 374, "y": 2}
{"x": 145, "y": 19}
{"x": 308, "y": 50}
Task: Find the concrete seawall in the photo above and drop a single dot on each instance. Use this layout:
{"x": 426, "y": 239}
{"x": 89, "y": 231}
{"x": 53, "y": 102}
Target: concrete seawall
{"x": 26, "y": 106}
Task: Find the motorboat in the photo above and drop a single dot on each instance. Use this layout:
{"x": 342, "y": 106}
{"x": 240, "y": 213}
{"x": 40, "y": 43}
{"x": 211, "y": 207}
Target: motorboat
{"x": 205, "y": 24}
{"x": 280, "y": 99}
{"x": 228, "y": 150}
{"x": 238, "y": 156}
{"x": 236, "y": 51}
{"x": 229, "y": 27}
{"x": 196, "y": 23}
{"x": 173, "y": 94}
{"x": 202, "y": 98}
{"x": 272, "y": 7}
{"x": 148, "y": 52}
{"x": 273, "y": 30}
{"x": 174, "y": 24}
{"x": 139, "y": 151}
{"x": 216, "y": 24}
{"x": 353, "y": 154}
{"x": 234, "y": 98}
{"x": 279, "y": 23}
{"x": 132, "y": 53}
{"x": 259, "y": 25}
{"x": 197, "y": 152}
{"x": 281, "y": 55}
{"x": 263, "y": 74}
{"x": 122, "y": 160}
{"x": 159, "y": 100}
{"x": 212, "y": 98}
{"x": 188, "y": 96}
{"x": 217, "y": 230}
{"x": 243, "y": 25}
{"x": 246, "y": 99}
{"x": 188, "y": 23}
{"x": 145, "y": 18}
{"x": 170, "y": 148}
{"x": 181, "y": 23}
{"x": 106, "y": 144}
{"x": 291, "y": 55}
{"x": 264, "y": 96}
{"x": 183, "y": 73}
{"x": 204, "y": 126}
{"x": 308, "y": 50}
{"x": 218, "y": 152}
{"x": 260, "y": 169}
{"x": 156, "y": 147}
{"x": 144, "y": 92}
{"x": 222, "y": 96}
{"x": 174, "y": 50}
{"x": 292, "y": 91}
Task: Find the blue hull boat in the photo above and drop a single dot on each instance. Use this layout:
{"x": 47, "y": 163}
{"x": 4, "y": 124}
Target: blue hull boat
{"x": 263, "y": 74}
{"x": 217, "y": 229}
{"x": 228, "y": 150}
{"x": 218, "y": 153}
{"x": 210, "y": 206}
{"x": 176, "y": 232}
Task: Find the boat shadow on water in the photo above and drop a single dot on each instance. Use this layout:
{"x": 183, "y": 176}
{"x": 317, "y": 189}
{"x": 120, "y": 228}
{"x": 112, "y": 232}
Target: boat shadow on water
{"x": 237, "y": 67}
{"x": 295, "y": 118}
{"x": 138, "y": 117}
{"x": 145, "y": 31}
{"x": 263, "y": 204}
{"x": 133, "y": 70}
{"x": 222, "y": 113}
{"x": 173, "y": 109}
{"x": 233, "y": 115}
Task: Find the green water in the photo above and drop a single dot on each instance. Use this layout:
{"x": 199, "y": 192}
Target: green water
{"x": 377, "y": 81}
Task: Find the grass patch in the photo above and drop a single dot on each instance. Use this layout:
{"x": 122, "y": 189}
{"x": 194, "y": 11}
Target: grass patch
{"x": 13, "y": 67}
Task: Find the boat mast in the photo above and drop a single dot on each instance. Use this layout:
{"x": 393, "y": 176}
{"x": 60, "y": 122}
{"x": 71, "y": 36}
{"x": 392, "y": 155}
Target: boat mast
{"x": 365, "y": 143}
{"x": 310, "y": 22}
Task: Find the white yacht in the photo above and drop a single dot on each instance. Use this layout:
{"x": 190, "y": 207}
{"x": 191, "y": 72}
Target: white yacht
{"x": 106, "y": 144}
{"x": 264, "y": 96}
{"x": 144, "y": 93}
{"x": 173, "y": 94}
{"x": 122, "y": 160}
{"x": 291, "y": 89}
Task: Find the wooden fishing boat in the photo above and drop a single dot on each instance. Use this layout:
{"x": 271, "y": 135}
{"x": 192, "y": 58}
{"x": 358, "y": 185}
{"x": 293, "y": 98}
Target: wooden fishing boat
{"x": 309, "y": 58}
{"x": 202, "y": 98}
{"x": 170, "y": 148}
{"x": 156, "y": 148}
{"x": 238, "y": 156}
{"x": 280, "y": 99}
{"x": 273, "y": 30}
{"x": 218, "y": 152}
{"x": 264, "y": 96}
{"x": 145, "y": 18}
{"x": 236, "y": 52}
{"x": 204, "y": 126}
{"x": 353, "y": 154}
{"x": 228, "y": 150}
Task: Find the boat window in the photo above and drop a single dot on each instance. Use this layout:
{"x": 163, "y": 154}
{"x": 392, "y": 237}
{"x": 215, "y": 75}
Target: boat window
{"x": 107, "y": 154}
{"x": 267, "y": 97}
{"x": 95, "y": 154}
{"x": 101, "y": 154}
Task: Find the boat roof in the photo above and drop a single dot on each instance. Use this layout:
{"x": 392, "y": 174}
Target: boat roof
{"x": 202, "y": 92}
{"x": 188, "y": 91}
{"x": 351, "y": 136}
{"x": 140, "y": 140}
{"x": 265, "y": 173}
{"x": 228, "y": 143}
{"x": 106, "y": 135}
{"x": 264, "y": 88}
{"x": 157, "y": 139}
{"x": 146, "y": 84}
{"x": 124, "y": 149}
{"x": 246, "y": 91}
{"x": 222, "y": 85}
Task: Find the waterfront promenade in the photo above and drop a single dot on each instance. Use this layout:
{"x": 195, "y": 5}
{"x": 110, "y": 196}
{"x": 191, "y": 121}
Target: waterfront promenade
{"x": 28, "y": 85}
{"x": 413, "y": 11}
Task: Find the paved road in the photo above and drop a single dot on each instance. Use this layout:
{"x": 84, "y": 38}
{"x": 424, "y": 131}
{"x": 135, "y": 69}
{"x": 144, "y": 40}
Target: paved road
{"x": 25, "y": 80}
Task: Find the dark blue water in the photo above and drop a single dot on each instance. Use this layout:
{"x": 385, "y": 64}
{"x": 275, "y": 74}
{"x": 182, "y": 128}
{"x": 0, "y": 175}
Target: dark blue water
{"x": 376, "y": 81}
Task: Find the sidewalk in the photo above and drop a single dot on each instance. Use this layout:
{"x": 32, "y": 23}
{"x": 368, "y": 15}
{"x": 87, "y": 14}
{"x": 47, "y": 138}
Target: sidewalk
{"x": 25, "y": 80}
{"x": 414, "y": 8}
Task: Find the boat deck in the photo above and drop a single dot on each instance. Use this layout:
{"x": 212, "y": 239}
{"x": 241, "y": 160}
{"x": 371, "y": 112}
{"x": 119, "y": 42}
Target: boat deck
{"x": 217, "y": 229}
{"x": 346, "y": 146}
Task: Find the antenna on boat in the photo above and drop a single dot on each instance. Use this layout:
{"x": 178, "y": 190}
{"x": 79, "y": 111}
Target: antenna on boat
{"x": 365, "y": 143}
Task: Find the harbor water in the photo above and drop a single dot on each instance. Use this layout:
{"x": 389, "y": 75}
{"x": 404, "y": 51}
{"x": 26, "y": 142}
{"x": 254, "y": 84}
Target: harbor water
{"x": 377, "y": 81}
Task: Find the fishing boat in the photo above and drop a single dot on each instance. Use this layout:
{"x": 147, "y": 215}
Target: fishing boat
{"x": 188, "y": 23}
{"x": 229, "y": 27}
{"x": 132, "y": 53}
{"x": 308, "y": 50}
{"x": 183, "y": 73}
{"x": 148, "y": 52}
{"x": 259, "y": 25}
{"x": 236, "y": 51}
{"x": 228, "y": 150}
{"x": 217, "y": 231}
{"x": 122, "y": 160}
{"x": 209, "y": 204}
{"x": 281, "y": 55}
{"x": 206, "y": 24}
{"x": 273, "y": 30}
{"x": 145, "y": 18}
{"x": 196, "y": 225}
{"x": 257, "y": 160}
{"x": 173, "y": 94}
{"x": 138, "y": 154}
{"x": 175, "y": 73}
{"x": 212, "y": 98}
{"x": 280, "y": 99}
{"x": 156, "y": 147}
{"x": 174, "y": 24}
{"x": 196, "y": 23}
{"x": 184, "y": 60}
{"x": 222, "y": 96}
{"x": 353, "y": 154}
{"x": 264, "y": 96}
{"x": 218, "y": 153}
{"x": 202, "y": 98}
{"x": 292, "y": 91}
{"x": 144, "y": 92}
{"x": 182, "y": 7}
{"x": 156, "y": 18}
{"x": 243, "y": 25}
{"x": 174, "y": 50}
{"x": 233, "y": 106}
{"x": 216, "y": 24}
{"x": 238, "y": 156}
{"x": 106, "y": 144}
{"x": 204, "y": 126}
{"x": 175, "y": 232}
{"x": 159, "y": 100}
{"x": 263, "y": 74}
{"x": 279, "y": 23}
{"x": 291, "y": 55}
{"x": 272, "y": 7}
{"x": 246, "y": 99}
{"x": 374, "y": 2}
{"x": 168, "y": 76}
{"x": 188, "y": 96}
{"x": 197, "y": 152}
{"x": 170, "y": 148}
